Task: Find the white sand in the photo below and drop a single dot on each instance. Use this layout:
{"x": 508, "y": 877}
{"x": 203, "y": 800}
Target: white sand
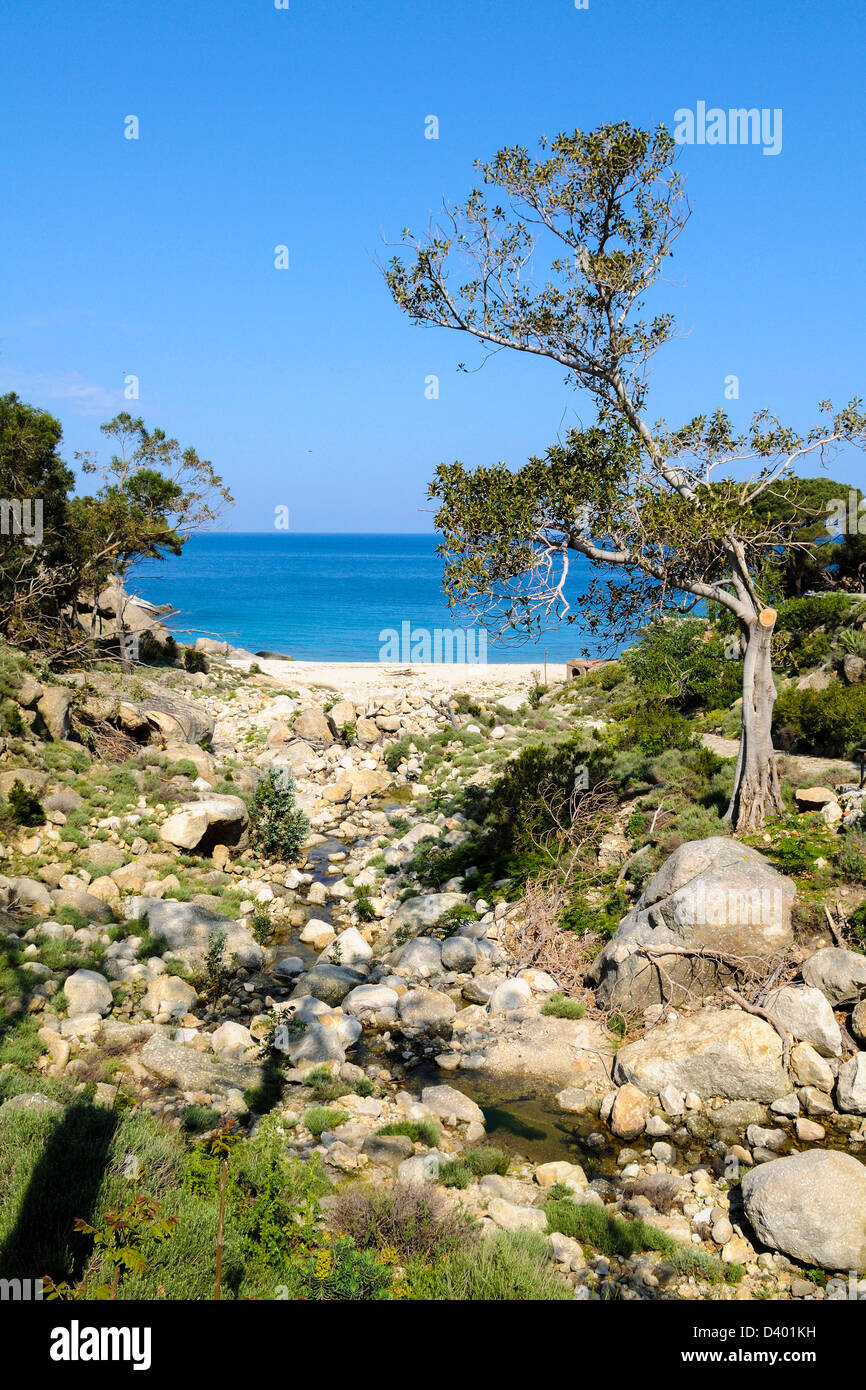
{"x": 360, "y": 679}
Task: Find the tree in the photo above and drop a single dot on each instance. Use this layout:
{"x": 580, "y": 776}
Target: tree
{"x": 154, "y": 495}
{"x": 37, "y": 549}
{"x": 560, "y": 268}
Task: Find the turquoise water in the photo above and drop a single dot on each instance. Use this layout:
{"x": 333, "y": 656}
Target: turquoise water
{"x": 329, "y": 598}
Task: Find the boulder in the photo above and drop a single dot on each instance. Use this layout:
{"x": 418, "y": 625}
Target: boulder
{"x": 53, "y": 707}
{"x": 311, "y": 724}
{"x": 811, "y": 1206}
{"x": 628, "y": 1116}
{"x": 808, "y": 1017}
{"x": 840, "y": 975}
{"x": 192, "y": 1070}
{"x": 330, "y": 983}
{"x": 814, "y": 798}
{"x": 510, "y": 1217}
{"x": 416, "y": 914}
{"x": 25, "y": 892}
{"x": 30, "y": 779}
{"x": 511, "y": 994}
{"x": 233, "y": 1041}
{"x": 88, "y": 992}
{"x": 341, "y": 714}
{"x": 715, "y": 894}
{"x": 187, "y": 929}
{"x": 423, "y": 957}
{"x": 200, "y": 825}
{"x": 451, "y": 1105}
{"x": 349, "y": 948}
{"x": 369, "y": 999}
{"x": 81, "y": 901}
{"x": 459, "y": 953}
{"x": 726, "y": 1053}
{"x": 851, "y": 1086}
{"x": 427, "y": 1009}
{"x": 810, "y": 1068}
{"x": 168, "y": 997}
{"x": 105, "y": 855}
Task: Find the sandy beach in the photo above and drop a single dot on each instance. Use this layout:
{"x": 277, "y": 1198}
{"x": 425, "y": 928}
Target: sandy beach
{"x": 360, "y": 679}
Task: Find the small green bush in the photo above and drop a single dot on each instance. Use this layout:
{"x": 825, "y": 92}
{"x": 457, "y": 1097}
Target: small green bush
{"x": 827, "y": 723}
{"x": 321, "y": 1117}
{"x": 560, "y": 1006}
{"x": 419, "y": 1131}
{"x": 277, "y": 827}
{"x": 194, "y": 660}
{"x": 24, "y": 807}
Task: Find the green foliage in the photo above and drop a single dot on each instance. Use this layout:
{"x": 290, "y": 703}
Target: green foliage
{"x": 508, "y": 1266}
{"x": 416, "y": 1221}
{"x": 615, "y": 1237}
{"x": 363, "y": 905}
{"x": 454, "y": 1173}
{"x": 419, "y": 1131}
{"x": 195, "y": 660}
{"x": 559, "y": 1006}
{"x": 195, "y": 1119}
{"x": 118, "y": 1241}
{"x": 683, "y": 663}
{"x": 277, "y": 827}
{"x": 654, "y": 729}
{"x": 215, "y": 963}
{"x": 828, "y": 723}
{"x": 486, "y": 1160}
{"x": 318, "y": 1118}
{"x": 25, "y": 808}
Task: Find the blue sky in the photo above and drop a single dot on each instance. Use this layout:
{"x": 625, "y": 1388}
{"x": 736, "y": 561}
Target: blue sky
{"x": 305, "y": 127}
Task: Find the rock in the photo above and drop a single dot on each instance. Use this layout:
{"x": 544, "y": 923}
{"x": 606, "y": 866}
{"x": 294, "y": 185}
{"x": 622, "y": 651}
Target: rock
{"x": 423, "y": 957}
{"x": 840, "y": 975}
{"x": 851, "y": 1086}
{"x": 318, "y": 1043}
{"x": 451, "y": 1105}
{"x": 233, "y": 1041}
{"x": 808, "y": 1132}
{"x": 416, "y": 914}
{"x": 105, "y": 855}
{"x": 53, "y": 706}
{"x": 807, "y": 1015}
{"x": 317, "y": 934}
{"x": 192, "y": 1070}
{"x": 813, "y": 798}
{"x": 188, "y": 929}
{"x": 573, "y": 1100}
{"x": 66, "y": 800}
{"x": 349, "y": 948}
{"x": 369, "y": 999}
{"x": 168, "y": 997}
{"x": 815, "y": 1102}
{"x": 420, "y": 1168}
{"x": 853, "y": 668}
{"x": 629, "y": 1113}
{"x": 858, "y": 1021}
{"x": 511, "y": 994}
{"x": 427, "y": 1009}
{"x": 30, "y": 779}
{"x": 725, "y": 1053}
{"x": 459, "y": 953}
{"x": 722, "y": 1231}
{"x": 330, "y": 983}
{"x": 390, "y": 1149}
{"x": 31, "y": 1101}
{"x": 88, "y": 992}
{"x": 548, "y": 1174}
{"x": 539, "y": 981}
{"x": 174, "y": 719}
{"x": 809, "y": 1067}
{"x": 714, "y": 893}
{"x": 311, "y": 724}
{"x": 200, "y": 825}
{"x": 25, "y": 892}
{"x": 513, "y": 1218}
{"x": 340, "y": 714}
{"x": 761, "y": 1138}
{"x": 289, "y": 967}
{"x": 787, "y": 1105}
{"x": 811, "y": 1206}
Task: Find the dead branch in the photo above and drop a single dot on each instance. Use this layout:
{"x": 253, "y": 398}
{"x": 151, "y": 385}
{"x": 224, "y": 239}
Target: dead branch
{"x": 768, "y": 1018}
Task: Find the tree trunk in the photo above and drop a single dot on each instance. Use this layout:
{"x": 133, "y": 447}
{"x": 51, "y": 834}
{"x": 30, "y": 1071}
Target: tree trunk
{"x": 120, "y": 626}
{"x": 756, "y": 781}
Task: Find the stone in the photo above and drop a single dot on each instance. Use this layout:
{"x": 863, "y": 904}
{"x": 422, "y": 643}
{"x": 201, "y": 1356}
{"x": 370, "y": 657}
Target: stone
{"x": 348, "y": 948}
{"x": 858, "y": 1021}
{"x": 341, "y": 714}
{"x": 809, "y": 1131}
{"x": 815, "y": 1102}
{"x": 510, "y": 1217}
{"x": 201, "y": 825}
{"x": 32, "y": 1101}
{"x": 427, "y": 1009}
{"x": 53, "y": 706}
{"x": 188, "y": 928}
{"x": 105, "y": 855}
{"x": 88, "y": 992}
{"x": 715, "y": 893}
{"x": 318, "y": 1043}
{"x": 416, "y": 914}
{"x": 851, "y": 1085}
{"x": 573, "y": 1100}
{"x": 234, "y": 1041}
{"x": 423, "y": 957}
{"x": 808, "y": 1017}
{"x": 853, "y": 668}
{"x": 330, "y": 983}
{"x": 86, "y": 903}
{"x": 811, "y": 1206}
{"x": 30, "y": 779}
{"x": 810, "y": 1068}
{"x": 451, "y": 1105}
{"x": 539, "y": 981}
{"x": 840, "y": 975}
{"x": 726, "y": 1053}
{"x": 317, "y": 933}
{"x": 168, "y": 997}
{"x": 312, "y": 724}
{"x": 559, "y": 1170}
{"x": 192, "y": 1070}
{"x": 511, "y": 994}
{"x": 369, "y": 999}
{"x": 813, "y": 798}
{"x": 629, "y": 1113}
{"x": 459, "y": 953}
{"x": 25, "y": 892}
{"x": 761, "y": 1138}
{"x": 390, "y": 1149}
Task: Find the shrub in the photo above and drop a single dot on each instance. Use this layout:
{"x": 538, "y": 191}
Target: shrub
{"x": 195, "y": 660}
{"x": 24, "y": 807}
{"x": 486, "y": 1160}
{"x": 277, "y": 827}
{"x": 655, "y": 728}
{"x": 613, "y": 1236}
{"x": 321, "y": 1117}
{"x": 684, "y": 663}
{"x": 419, "y": 1131}
{"x": 559, "y": 1006}
{"x": 828, "y": 723}
{"x": 454, "y": 1173}
{"x": 417, "y": 1222}
{"x": 512, "y": 1266}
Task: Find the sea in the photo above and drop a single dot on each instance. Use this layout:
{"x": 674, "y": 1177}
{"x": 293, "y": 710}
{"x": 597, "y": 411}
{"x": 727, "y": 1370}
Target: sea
{"x": 321, "y": 597}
